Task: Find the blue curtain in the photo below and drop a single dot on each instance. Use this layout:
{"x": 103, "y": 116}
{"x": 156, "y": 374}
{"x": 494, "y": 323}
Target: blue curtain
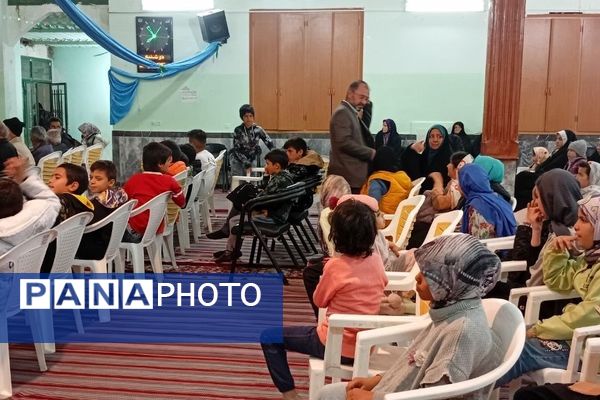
{"x": 122, "y": 94}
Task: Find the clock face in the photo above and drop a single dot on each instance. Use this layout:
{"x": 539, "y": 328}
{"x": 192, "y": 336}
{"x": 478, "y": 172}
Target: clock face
{"x": 154, "y": 37}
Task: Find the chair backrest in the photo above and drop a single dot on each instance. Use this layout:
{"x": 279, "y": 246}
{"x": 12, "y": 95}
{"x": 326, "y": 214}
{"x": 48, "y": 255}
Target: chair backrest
{"x": 416, "y": 187}
{"x": 196, "y": 183}
{"x": 172, "y": 208}
{"x": 208, "y": 184}
{"x": 118, "y": 219}
{"x": 25, "y": 258}
{"x": 92, "y": 154}
{"x": 443, "y": 224}
{"x": 508, "y": 326}
{"x": 407, "y": 214}
{"x": 74, "y": 155}
{"x": 69, "y": 233}
{"x": 157, "y": 207}
{"x": 219, "y": 162}
{"x": 48, "y": 164}
{"x": 513, "y": 203}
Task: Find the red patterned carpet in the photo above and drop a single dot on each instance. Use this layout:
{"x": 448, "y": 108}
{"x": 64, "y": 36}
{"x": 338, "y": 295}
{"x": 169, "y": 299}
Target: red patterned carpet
{"x": 166, "y": 371}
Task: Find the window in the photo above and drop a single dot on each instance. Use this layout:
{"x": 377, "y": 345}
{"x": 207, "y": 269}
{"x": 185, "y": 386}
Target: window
{"x": 177, "y": 5}
{"x": 444, "y": 5}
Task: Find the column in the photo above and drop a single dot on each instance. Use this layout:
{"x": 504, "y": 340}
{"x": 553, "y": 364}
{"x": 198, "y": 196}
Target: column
{"x": 503, "y": 79}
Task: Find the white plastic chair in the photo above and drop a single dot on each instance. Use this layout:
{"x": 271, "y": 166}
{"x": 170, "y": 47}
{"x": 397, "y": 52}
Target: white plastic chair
{"x": 25, "y": 258}
{"x": 403, "y": 220}
{"x": 443, "y": 224}
{"x": 500, "y": 243}
{"x": 591, "y": 361}
{"x": 69, "y": 233}
{"x": 171, "y": 216}
{"x": 535, "y": 296}
{"x": 200, "y": 211}
{"x": 513, "y": 203}
{"x": 183, "y": 229}
{"x": 74, "y": 155}
{"x": 211, "y": 198}
{"x": 118, "y": 219}
{"x": 330, "y": 364}
{"x": 157, "y": 208}
{"x": 48, "y": 164}
{"x": 504, "y": 319}
{"x": 416, "y": 187}
{"x": 92, "y": 154}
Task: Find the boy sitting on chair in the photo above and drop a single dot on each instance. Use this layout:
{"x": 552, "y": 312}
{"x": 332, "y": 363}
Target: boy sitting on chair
{"x": 280, "y": 179}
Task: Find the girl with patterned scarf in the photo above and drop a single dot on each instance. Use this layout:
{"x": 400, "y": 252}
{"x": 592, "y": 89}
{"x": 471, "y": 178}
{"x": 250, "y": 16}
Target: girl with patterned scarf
{"x": 547, "y": 345}
{"x": 456, "y": 271}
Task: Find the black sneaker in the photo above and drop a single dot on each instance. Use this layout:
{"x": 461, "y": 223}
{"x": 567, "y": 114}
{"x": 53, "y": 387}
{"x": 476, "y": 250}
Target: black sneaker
{"x": 215, "y": 235}
{"x": 218, "y": 254}
{"x": 228, "y": 256}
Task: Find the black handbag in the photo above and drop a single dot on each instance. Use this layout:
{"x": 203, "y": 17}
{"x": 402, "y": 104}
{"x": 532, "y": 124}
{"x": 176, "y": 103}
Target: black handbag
{"x": 242, "y": 194}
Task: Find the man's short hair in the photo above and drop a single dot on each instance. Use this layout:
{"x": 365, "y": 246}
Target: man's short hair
{"x": 198, "y": 135}
{"x": 108, "y": 167}
{"x": 76, "y": 173}
{"x": 246, "y": 109}
{"x": 153, "y": 155}
{"x": 354, "y": 85}
{"x": 278, "y": 156}
{"x": 38, "y": 134}
{"x": 54, "y": 136}
{"x": 296, "y": 143}
{"x": 55, "y": 119}
{"x": 11, "y": 198}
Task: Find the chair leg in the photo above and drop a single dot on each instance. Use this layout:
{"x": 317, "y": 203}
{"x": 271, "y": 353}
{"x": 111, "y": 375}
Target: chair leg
{"x": 137, "y": 259}
{"x": 170, "y": 247}
{"x": 298, "y": 249}
{"x": 300, "y": 236}
{"x": 206, "y": 215}
{"x": 274, "y": 262}
{"x": 308, "y": 239}
{"x": 252, "y": 251}
{"x": 289, "y": 250}
{"x": 211, "y": 202}
{"x": 183, "y": 231}
{"x": 154, "y": 253}
{"x": 312, "y": 229}
{"x": 196, "y": 225}
{"x": 258, "y": 255}
{"x": 5, "y": 378}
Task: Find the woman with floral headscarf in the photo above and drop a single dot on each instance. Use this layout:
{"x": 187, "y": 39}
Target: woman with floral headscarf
{"x": 90, "y": 135}
{"x": 570, "y": 263}
{"x": 456, "y": 271}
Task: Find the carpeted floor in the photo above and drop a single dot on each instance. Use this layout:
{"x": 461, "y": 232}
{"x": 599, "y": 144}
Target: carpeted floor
{"x": 167, "y": 371}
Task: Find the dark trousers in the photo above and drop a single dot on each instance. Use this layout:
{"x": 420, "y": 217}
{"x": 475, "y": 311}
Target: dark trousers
{"x": 301, "y": 339}
{"x": 555, "y": 391}
{"x": 311, "y": 276}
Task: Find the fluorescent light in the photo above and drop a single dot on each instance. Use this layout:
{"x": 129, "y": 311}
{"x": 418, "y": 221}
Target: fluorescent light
{"x": 444, "y": 5}
{"x": 177, "y": 5}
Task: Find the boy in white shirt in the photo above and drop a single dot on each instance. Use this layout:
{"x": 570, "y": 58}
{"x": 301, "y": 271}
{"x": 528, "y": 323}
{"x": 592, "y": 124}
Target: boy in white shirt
{"x": 197, "y": 138}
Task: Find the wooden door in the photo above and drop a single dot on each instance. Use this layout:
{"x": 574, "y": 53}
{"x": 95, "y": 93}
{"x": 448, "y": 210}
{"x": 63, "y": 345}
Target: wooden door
{"x": 317, "y": 56}
{"x": 563, "y": 74}
{"x": 589, "y": 87}
{"x": 347, "y": 52}
{"x": 534, "y": 75}
{"x": 264, "y": 35}
{"x": 291, "y": 71}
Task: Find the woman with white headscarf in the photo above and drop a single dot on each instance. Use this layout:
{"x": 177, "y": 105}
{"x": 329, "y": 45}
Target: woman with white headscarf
{"x": 588, "y": 177}
{"x": 90, "y": 135}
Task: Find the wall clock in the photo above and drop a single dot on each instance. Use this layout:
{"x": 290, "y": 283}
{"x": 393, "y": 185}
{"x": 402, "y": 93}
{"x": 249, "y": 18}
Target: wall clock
{"x": 154, "y": 38}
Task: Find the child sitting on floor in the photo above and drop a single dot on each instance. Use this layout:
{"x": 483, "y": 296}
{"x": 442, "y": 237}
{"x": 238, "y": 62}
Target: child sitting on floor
{"x": 352, "y": 282}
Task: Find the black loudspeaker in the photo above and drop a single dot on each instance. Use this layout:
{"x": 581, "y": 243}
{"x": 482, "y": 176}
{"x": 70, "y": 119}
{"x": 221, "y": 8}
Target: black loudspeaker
{"x": 214, "y": 26}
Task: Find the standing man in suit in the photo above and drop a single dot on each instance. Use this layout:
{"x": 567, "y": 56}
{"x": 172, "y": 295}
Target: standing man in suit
{"x": 351, "y": 150}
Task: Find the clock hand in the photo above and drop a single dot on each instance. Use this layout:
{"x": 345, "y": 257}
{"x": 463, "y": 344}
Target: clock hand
{"x": 149, "y": 30}
{"x": 159, "y": 28}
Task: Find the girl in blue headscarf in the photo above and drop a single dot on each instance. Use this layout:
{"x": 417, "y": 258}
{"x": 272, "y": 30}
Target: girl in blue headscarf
{"x": 486, "y": 215}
